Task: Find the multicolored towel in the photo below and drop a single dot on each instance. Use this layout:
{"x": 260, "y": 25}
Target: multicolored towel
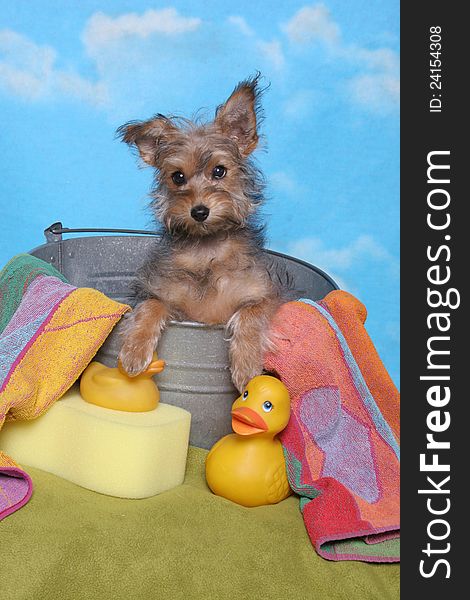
{"x": 341, "y": 444}
{"x": 50, "y": 331}
{"x": 14, "y": 280}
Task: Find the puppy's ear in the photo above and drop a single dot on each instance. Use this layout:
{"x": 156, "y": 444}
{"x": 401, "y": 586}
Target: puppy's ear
{"x": 239, "y": 116}
{"x": 147, "y": 136}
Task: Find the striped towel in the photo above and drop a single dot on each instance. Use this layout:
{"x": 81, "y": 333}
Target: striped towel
{"x": 341, "y": 443}
{"x": 50, "y": 330}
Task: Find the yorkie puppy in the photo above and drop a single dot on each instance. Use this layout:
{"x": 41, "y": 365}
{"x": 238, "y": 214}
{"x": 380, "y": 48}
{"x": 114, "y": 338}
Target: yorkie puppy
{"x": 207, "y": 266}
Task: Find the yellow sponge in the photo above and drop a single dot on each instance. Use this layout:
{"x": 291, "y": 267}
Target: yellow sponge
{"x": 130, "y": 455}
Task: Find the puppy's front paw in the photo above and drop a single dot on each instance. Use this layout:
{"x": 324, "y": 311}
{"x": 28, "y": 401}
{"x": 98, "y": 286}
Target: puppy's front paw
{"x": 135, "y": 358}
{"x": 243, "y": 371}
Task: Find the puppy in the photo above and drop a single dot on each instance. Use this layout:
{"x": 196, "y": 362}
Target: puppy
{"x": 208, "y": 264}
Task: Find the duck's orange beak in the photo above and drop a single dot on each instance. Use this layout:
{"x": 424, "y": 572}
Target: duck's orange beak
{"x": 155, "y": 367}
{"x": 245, "y": 421}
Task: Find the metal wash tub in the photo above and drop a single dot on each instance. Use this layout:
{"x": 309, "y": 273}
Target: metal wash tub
{"x": 197, "y": 375}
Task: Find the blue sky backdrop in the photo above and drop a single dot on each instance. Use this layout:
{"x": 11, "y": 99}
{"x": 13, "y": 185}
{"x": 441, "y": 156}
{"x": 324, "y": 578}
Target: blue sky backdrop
{"x": 72, "y": 72}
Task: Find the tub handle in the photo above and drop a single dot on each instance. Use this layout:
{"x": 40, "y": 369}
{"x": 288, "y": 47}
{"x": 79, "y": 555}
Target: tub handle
{"x": 54, "y": 232}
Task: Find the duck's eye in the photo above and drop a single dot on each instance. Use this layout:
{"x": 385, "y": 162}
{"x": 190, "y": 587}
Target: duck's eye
{"x": 178, "y": 178}
{"x": 219, "y": 172}
{"x": 267, "y": 406}
{"x": 245, "y": 395}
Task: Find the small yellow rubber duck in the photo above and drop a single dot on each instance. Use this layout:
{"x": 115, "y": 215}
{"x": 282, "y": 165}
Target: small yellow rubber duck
{"x": 248, "y": 466}
{"x": 113, "y": 388}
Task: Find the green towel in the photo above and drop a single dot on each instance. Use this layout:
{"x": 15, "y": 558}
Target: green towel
{"x": 15, "y": 277}
{"x": 69, "y": 543}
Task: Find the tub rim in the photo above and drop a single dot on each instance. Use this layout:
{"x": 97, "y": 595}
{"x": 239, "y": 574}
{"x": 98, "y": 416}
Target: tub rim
{"x": 54, "y": 232}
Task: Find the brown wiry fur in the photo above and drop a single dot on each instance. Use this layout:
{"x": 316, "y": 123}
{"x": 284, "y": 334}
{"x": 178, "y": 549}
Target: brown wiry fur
{"x": 211, "y": 271}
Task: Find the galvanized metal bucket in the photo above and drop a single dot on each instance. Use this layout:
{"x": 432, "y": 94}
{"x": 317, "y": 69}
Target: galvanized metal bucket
{"x": 197, "y": 375}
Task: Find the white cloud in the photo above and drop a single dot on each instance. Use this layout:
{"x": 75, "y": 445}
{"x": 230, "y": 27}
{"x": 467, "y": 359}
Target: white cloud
{"x": 382, "y": 59}
{"x": 312, "y": 23}
{"x": 282, "y": 181}
{"x": 377, "y": 92}
{"x": 377, "y": 86}
{"x": 337, "y": 261}
{"x": 25, "y": 68}
{"x": 272, "y": 51}
{"x": 102, "y": 30}
{"x": 340, "y": 258}
{"x": 241, "y": 24}
{"x": 29, "y": 71}
{"x": 71, "y": 84}
{"x": 131, "y": 49}
{"x": 299, "y": 105}
{"x": 156, "y": 52}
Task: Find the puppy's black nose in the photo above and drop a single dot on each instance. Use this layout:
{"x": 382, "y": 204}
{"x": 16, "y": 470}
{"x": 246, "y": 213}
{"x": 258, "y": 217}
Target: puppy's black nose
{"x": 200, "y": 212}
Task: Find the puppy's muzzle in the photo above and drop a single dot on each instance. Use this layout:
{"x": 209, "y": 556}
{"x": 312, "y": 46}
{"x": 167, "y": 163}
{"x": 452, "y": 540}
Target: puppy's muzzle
{"x": 200, "y": 213}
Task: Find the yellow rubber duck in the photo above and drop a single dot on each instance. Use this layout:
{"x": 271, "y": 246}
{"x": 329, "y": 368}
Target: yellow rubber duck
{"x": 113, "y": 388}
{"x": 248, "y": 466}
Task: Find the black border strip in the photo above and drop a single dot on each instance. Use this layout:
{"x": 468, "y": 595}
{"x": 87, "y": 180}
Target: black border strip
{"x": 433, "y": 120}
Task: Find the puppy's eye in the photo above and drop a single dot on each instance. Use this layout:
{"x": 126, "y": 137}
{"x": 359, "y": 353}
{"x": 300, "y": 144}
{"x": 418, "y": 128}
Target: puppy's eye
{"x": 219, "y": 172}
{"x": 178, "y": 178}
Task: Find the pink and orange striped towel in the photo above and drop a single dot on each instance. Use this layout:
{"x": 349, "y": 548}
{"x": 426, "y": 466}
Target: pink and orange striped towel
{"x": 49, "y": 332}
{"x": 341, "y": 443}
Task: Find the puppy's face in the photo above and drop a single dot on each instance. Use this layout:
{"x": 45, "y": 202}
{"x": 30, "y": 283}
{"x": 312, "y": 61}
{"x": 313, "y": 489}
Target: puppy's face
{"x": 201, "y": 182}
{"x": 204, "y": 182}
